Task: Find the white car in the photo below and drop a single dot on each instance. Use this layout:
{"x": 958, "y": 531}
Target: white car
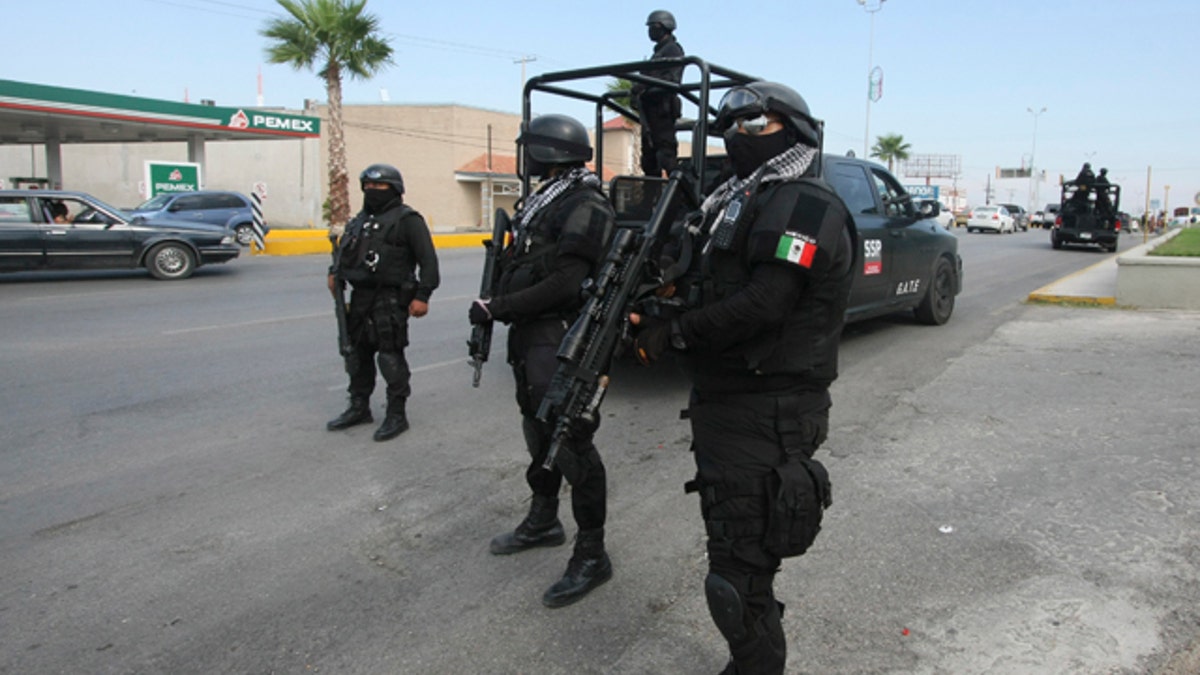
{"x": 990, "y": 219}
{"x": 945, "y": 216}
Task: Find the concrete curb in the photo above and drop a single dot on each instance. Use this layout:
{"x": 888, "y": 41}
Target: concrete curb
{"x": 1046, "y": 293}
{"x": 309, "y": 242}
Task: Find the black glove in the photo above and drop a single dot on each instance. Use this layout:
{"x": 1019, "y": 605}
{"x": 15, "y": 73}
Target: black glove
{"x": 653, "y": 338}
{"x": 479, "y": 312}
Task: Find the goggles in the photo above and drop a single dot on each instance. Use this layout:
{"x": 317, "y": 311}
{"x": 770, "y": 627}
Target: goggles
{"x": 373, "y": 175}
{"x": 739, "y": 103}
{"x": 751, "y": 125}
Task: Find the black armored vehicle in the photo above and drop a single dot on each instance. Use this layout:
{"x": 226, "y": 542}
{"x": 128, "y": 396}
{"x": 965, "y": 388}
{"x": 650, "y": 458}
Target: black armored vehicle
{"x": 907, "y": 261}
{"x": 1089, "y": 215}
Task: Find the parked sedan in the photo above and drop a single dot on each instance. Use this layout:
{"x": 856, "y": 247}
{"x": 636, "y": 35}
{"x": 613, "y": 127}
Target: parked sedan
{"x": 215, "y": 207}
{"x": 990, "y": 219}
{"x": 1019, "y": 215}
{"x": 54, "y": 229}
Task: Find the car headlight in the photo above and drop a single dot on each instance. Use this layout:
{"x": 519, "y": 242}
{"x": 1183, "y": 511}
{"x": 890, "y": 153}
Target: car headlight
{"x": 227, "y": 240}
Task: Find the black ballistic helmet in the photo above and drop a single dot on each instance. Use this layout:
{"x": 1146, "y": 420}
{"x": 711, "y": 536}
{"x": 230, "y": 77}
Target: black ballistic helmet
{"x": 663, "y": 18}
{"x": 556, "y": 139}
{"x": 762, "y": 97}
{"x": 382, "y": 173}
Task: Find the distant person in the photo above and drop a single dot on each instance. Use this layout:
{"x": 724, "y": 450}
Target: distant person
{"x": 1103, "y": 202}
{"x": 660, "y": 108}
{"x": 379, "y": 254}
{"x": 1085, "y": 177}
{"x": 57, "y": 212}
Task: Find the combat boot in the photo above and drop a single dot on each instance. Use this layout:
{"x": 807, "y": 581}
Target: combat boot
{"x": 589, "y": 567}
{"x": 540, "y": 528}
{"x": 359, "y": 412}
{"x": 394, "y": 423}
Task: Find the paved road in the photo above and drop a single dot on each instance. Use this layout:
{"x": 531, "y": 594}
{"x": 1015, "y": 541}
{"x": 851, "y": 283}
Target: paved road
{"x": 1017, "y": 489}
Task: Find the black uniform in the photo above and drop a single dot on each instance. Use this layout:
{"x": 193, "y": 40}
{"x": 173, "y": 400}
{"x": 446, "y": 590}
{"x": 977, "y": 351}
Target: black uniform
{"x": 380, "y": 256}
{"x": 761, "y": 350}
{"x": 539, "y": 296}
{"x": 659, "y": 109}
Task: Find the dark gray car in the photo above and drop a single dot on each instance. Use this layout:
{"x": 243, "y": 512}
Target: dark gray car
{"x": 55, "y": 229}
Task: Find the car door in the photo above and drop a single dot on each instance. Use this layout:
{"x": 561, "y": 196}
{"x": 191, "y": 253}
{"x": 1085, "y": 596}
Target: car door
{"x": 908, "y": 245}
{"x": 852, "y": 183}
{"x": 20, "y": 236}
{"x": 92, "y": 240}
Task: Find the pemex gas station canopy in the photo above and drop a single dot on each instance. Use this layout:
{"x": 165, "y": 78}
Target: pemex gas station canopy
{"x": 40, "y": 114}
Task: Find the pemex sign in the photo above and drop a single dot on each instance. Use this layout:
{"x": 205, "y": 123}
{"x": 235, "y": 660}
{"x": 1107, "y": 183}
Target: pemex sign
{"x": 170, "y": 177}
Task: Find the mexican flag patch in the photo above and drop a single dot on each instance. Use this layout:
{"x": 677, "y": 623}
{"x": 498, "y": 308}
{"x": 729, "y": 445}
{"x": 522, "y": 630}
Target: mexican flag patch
{"x": 796, "y": 248}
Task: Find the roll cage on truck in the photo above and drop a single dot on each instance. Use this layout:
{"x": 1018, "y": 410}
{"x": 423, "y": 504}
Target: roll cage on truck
{"x": 891, "y": 265}
{"x": 911, "y": 262}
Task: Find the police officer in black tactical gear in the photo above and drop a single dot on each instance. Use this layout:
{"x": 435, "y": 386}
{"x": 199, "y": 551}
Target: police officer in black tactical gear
{"x": 386, "y": 254}
{"x": 560, "y": 234}
{"x": 767, "y": 291}
{"x": 659, "y": 108}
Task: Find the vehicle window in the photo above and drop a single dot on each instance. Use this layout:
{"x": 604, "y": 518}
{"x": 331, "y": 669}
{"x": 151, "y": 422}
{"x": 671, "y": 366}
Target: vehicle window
{"x": 229, "y": 201}
{"x": 188, "y": 203}
{"x": 14, "y": 210}
{"x": 211, "y": 202}
{"x": 850, "y": 182}
{"x": 893, "y": 196}
{"x": 984, "y": 211}
{"x": 155, "y": 203}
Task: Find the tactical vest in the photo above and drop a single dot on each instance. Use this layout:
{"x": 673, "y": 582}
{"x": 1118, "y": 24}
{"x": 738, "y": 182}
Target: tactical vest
{"x": 806, "y": 342}
{"x": 374, "y": 250}
{"x": 531, "y": 256}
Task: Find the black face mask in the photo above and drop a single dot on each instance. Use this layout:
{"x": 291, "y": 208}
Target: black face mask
{"x": 534, "y": 169}
{"x": 657, "y": 32}
{"x": 747, "y": 152}
{"x": 376, "y": 200}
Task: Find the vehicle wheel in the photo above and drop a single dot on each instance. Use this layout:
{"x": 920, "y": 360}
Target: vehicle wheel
{"x": 244, "y": 234}
{"x": 938, "y": 304}
{"x": 171, "y": 260}
{"x": 1054, "y": 241}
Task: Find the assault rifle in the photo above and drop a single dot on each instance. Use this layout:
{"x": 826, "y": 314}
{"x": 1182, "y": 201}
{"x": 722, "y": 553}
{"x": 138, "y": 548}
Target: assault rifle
{"x": 480, "y": 343}
{"x": 345, "y": 344}
{"x": 628, "y": 277}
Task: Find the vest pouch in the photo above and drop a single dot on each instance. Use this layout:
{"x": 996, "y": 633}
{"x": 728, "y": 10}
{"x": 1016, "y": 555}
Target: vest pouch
{"x": 799, "y": 493}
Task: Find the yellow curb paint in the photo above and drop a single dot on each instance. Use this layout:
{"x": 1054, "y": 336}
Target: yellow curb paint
{"x": 1072, "y": 299}
{"x": 308, "y": 242}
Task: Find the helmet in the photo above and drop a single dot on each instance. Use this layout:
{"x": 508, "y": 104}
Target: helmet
{"x": 663, "y": 17}
{"x": 1103, "y": 172}
{"x": 556, "y": 139}
{"x": 762, "y": 97}
{"x": 383, "y": 173}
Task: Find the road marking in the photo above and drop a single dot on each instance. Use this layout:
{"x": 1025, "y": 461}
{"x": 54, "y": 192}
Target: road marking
{"x": 421, "y": 369}
{"x": 243, "y": 324}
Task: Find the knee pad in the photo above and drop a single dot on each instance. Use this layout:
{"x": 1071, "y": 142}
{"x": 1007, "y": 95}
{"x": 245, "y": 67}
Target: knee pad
{"x": 576, "y": 464}
{"x": 391, "y": 366}
{"x": 727, "y": 608}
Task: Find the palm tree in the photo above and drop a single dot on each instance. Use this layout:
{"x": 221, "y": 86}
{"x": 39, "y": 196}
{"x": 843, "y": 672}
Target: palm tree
{"x": 890, "y": 148}
{"x": 334, "y": 36}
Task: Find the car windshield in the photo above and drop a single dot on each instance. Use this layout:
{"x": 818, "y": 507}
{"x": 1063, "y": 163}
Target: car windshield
{"x": 155, "y": 203}
{"x": 985, "y": 211}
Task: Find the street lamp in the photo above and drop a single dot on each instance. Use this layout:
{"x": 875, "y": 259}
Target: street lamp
{"x": 1033, "y": 181}
{"x": 870, "y": 9}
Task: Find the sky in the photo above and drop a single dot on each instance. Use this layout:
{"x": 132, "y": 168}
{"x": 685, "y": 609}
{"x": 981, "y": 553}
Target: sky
{"x": 969, "y": 78}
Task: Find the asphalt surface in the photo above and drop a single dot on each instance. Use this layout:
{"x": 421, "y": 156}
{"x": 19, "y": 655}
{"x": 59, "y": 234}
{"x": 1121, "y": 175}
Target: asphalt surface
{"x": 1034, "y": 507}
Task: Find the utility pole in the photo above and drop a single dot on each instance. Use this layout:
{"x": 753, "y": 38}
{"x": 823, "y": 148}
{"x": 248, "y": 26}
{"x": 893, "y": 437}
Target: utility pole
{"x": 1146, "y": 218}
{"x": 987, "y": 193}
{"x": 523, "y": 60}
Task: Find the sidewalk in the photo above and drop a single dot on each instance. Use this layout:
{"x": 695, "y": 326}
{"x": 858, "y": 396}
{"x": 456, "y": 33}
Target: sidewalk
{"x": 1093, "y": 285}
